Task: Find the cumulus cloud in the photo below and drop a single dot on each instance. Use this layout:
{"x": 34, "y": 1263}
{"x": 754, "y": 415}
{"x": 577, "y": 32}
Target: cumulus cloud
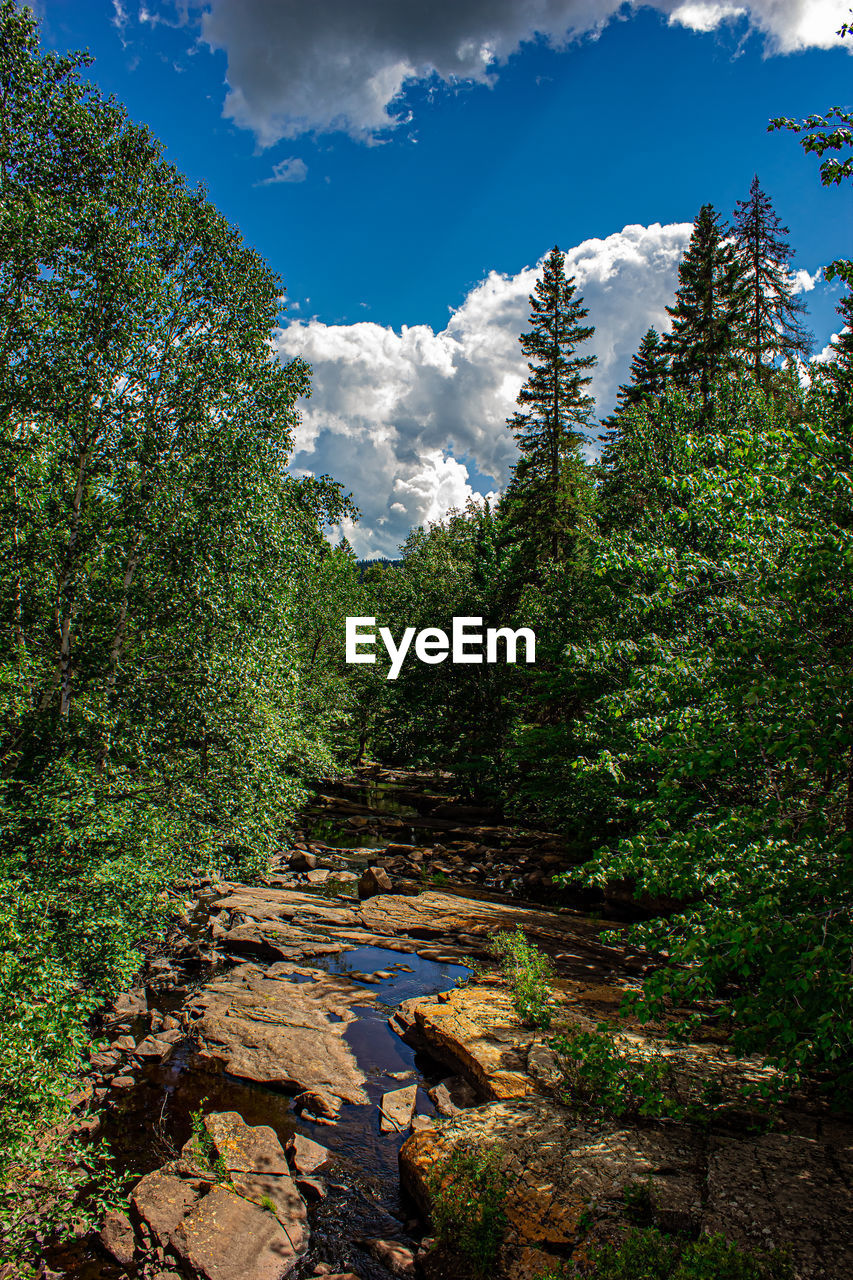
{"x": 803, "y": 281}
{"x": 293, "y": 169}
{"x": 404, "y": 418}
{"x": 296, "y": 68}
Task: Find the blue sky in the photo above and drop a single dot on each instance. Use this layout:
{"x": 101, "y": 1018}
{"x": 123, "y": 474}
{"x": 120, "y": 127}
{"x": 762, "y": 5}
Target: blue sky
{"x": 428, "y": 156}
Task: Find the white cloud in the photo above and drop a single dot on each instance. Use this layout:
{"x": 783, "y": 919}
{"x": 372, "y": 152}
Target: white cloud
{"x": 293, "y": 169}
{"x": 296, "y": 68}
{"x": 401, "y": 418}
{"x": 803, "y": 281}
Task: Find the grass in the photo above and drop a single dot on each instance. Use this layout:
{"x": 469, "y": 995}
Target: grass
{"x": 648, "y": 1254}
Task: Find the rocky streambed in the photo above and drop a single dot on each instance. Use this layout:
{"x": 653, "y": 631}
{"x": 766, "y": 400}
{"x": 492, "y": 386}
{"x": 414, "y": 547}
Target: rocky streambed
{"x": 304, "y": 1056}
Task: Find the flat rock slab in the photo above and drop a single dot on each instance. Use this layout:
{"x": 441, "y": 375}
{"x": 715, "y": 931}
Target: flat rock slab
{"x": 557, "y": 1170}
{"x": 397, "y": 1109}
{"x": 227, "y": 1237}
{"x": 263, "y": 1026}
{"x": 477, "y": 1030}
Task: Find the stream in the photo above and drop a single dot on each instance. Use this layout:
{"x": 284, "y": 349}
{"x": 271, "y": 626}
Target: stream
{"x": 350, "y": 826}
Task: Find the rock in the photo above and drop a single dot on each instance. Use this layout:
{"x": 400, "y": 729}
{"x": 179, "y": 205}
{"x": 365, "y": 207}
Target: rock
{"x": 399, "y": 1260}
{"x": 122, "y": 1082}
{"x": 419, "y": 1123}
{"x": 245, "y": 1148}
{"x": 301, "y": 860}
{"x": 543, "y": 1066}
{"x": 374, "y": 881}
{"x": 154, "y": 1047}
{"x": 162, "y": 1201}
{"x": 313, "y": 1189}
{"x": 476, "y": 1029}
{"x": 130, "y": 1004}
{"x": 262, "y": 1027}
{"x": 556, "y": 1169}
{"x": 305, "y": 1155}
{"x": 452, "y": 1095}
{"x": 227, "y": 1237}
{"x": 117, "y": 1237}
{"x": 397, "y": 1108}
{"x": 320, "y": 876}
{"x": 316, "y": 1105}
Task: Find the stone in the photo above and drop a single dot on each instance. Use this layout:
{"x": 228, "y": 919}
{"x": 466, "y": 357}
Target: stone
{"x": 227, "y": 1237}
{"x": 320, "y": 876}
{"x": 118, "y": 1238}
{"x": 313, "y": 1189}
{"x": 245, "y": 1148}
{"x": 419, "y": 1123}
{"x": 397, "y": 1109}
{"x": 316, "y": 1105}
{"x": 262, "y": 1027}
{"x": 285, "y": 1195}
{"x": 155, "y": 1047}
{"x": 476, "y": 1029}
{"x": 122, "y": 1082}
{"x": 452, "y": 1095}
{"x": 301, "y": 860}
{"x": 305, "y": 1155}
{"x": 399, "y": 1260}
{"x": 162, "y": 1201}
{"x": 374, "y": 881}
{"x": 543, "y": 1066}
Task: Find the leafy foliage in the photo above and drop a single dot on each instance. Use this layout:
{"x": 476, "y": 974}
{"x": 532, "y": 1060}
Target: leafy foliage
{"x": 528, "y": 974}
{"x": 468, "y": 1206}
{"x": 648, "y": 1254}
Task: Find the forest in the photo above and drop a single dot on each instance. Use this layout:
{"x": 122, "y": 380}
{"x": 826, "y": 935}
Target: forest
{"x": 173, "y": 683}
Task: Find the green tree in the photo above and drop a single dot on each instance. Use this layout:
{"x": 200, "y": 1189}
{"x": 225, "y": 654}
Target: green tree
{"x": 772, "y": 328}
{"x": 707, "y": 316}
{"x": 649, "y": 373}
{"x": 549, "y": 492}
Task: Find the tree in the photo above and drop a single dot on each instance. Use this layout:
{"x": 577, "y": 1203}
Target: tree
{"x": 771, "y": 329}
{"x": 548, "y": 492}
{"x": 649, "y": 373}
{"x": 707, "y": 315}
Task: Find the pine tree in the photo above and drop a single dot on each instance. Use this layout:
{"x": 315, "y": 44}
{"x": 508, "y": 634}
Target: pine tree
{"x": 546, "y": 492}
{"x": 772, "y": 329}
{"x": 842, "y": 344}
{"x": 649, "y": 373}
{"x": 708, "y": 314}
{"x": 649, "y": 370}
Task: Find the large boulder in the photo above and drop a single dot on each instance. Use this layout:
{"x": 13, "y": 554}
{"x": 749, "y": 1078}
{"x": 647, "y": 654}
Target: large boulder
{"x": 374, "y": 881}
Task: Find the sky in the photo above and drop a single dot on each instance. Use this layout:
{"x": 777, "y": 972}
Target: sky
{"x": 405, "y": 165}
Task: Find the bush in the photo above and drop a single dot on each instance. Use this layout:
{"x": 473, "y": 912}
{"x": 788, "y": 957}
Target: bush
{"x": 528, "y": 974}
{"x": 650, "y": 1255}
{"x": 468, "y": 1195}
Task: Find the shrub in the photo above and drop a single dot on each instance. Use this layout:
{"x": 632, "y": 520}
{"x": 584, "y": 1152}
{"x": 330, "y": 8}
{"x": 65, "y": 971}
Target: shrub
{"x": 468, "y": 1195}
{"x": 528, "y": 974}
{"x": 650, "y": 1255}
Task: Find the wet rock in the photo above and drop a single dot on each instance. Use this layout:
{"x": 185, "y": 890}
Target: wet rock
{"x": 118, "y": 1238}
{"x": 262, "y": 1027}
{"x": 373, "y": 882}
{"x": 320, "y": 876}
{"x": 156, "y": 1047}
{"x": 397, "y": 1109}
{"x": 305, "y": 1155}
{"x": 319, "y": 1106}
{"x": 245, "y": 1148}
{"x": 419, "y": 1123}
{"x": 312, "y": 1189}
{"x": 399, "y": 1260}
{"x": 122, "y": 1082}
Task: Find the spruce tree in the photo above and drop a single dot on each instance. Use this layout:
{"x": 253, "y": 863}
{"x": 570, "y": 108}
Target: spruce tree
{"x": 707, "y": 317}
{"x": 772, "y": 329}
{"x": 649, "y": 370}
{"x": 649, "y": 373}
{"x": 546, "y": 495}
